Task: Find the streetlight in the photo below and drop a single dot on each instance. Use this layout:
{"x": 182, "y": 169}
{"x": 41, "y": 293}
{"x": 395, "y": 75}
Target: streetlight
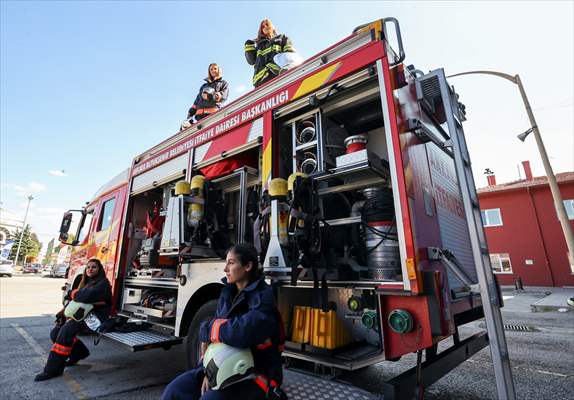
{"x": 30, "y": 198}
{"x": 558, "y": 203}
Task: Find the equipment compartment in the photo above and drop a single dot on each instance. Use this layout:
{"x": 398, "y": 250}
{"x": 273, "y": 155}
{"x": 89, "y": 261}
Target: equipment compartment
{"x": 343, "y": 331}
{"x": 338, "y": 206}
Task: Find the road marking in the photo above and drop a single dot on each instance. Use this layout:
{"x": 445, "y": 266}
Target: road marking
{"x": 540, "y": 371}
{"x": 73, "y": 384}
{"x": 550, "y": 373}
{"x": 507, "y": 297}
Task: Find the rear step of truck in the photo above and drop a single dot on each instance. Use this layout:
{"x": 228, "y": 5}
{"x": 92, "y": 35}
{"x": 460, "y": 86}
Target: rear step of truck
{"x": 300, "y": 386}
{"x": 143, "y": 340}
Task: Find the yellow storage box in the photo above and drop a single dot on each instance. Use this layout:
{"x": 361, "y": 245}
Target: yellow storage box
{"x": 302, "y": 324}
{"x": 318, "y": 328}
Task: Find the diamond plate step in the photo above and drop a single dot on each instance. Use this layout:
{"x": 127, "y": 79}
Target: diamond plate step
{"x": 142, "y": 340}
{"x": 301, "y": 386}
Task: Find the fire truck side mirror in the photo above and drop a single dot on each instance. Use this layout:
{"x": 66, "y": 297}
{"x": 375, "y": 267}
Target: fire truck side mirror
{"x": 65, "y": 226}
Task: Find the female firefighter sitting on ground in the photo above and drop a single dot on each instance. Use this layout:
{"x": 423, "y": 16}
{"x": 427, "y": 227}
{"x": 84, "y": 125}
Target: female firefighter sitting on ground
{"x": 67, "y": 350}
{"x": 260, "y": 52}
{"x": 246, "y": 318}
{"x": 212, "y": 94}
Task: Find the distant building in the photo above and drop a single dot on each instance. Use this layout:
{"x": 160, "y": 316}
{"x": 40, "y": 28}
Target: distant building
{"x": 9, "y": 223}
{"x": 525, "y": 238}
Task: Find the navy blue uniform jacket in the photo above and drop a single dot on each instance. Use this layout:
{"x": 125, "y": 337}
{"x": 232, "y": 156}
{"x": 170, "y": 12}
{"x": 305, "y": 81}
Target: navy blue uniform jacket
{"x": 99, "y": 291}
{"x": 249, "y": 320}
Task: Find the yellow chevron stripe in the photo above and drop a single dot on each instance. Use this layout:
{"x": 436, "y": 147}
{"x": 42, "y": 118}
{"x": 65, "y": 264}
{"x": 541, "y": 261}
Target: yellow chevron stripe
{"x": 315, "y": 81}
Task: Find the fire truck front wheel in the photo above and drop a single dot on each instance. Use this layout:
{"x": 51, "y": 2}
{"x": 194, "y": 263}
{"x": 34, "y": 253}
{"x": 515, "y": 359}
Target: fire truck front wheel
{"x": 192, "y": 343}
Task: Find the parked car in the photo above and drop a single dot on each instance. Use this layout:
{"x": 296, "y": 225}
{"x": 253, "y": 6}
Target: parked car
{"x": 6, "y": 268}
{"x": 46, "y": 269}
{"x": 32, "y": 268}
{"x": 59, "y": 271}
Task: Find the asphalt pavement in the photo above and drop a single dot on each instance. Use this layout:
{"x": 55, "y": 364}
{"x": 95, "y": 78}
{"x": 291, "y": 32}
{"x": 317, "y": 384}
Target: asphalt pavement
{"x": 542, "y": 358}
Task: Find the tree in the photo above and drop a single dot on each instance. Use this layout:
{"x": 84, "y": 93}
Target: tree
{"x": 30, "y": 244}
{"x": 49, "y": 250}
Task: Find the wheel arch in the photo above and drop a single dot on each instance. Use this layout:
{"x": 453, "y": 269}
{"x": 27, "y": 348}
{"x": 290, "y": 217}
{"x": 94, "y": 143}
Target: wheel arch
{"x": 206, "y": 293}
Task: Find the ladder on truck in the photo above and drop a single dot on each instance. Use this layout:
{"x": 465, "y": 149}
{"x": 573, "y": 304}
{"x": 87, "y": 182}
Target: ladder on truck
{"x": 436, "y": 86}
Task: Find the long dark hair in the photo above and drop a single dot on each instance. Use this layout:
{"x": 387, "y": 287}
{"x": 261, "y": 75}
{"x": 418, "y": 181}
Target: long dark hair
{"x": 86, "y": 280}
{"x": 246, "y": 254}
{"x": 261, "y": 35}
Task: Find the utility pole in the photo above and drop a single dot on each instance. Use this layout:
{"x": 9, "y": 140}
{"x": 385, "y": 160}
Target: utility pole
{"x": 554, "y": 189}
{"x": 30, "y": 198}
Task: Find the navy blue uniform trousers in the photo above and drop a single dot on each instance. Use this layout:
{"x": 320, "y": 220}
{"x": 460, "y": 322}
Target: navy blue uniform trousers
{"x": 188, "y": 386}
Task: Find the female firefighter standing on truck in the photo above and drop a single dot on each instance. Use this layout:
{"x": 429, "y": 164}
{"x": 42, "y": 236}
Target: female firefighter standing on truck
{"x": 212, "y": 94}
{"x": 94, "y": 289}
{"x": 247, "y": 331}
{"x": 260, "y": 52}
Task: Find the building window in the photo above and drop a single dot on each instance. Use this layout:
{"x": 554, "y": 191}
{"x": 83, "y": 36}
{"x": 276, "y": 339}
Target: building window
{"x": 107, "y": 213}
{"x": 491, "y": 217}
{"x": 569, "y": 206}
{"x": 500, "y": 263}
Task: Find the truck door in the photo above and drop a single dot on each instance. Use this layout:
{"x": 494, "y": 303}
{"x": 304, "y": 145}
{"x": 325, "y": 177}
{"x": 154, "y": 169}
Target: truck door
{"x": 106, "y": 224}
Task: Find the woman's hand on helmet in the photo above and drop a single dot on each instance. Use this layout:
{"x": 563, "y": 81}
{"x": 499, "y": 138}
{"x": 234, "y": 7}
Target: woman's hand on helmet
{"x": 204, "y": 385}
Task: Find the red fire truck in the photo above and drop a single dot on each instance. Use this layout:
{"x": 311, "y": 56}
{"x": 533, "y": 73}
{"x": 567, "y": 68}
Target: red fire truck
{"x": 351, "y": 176}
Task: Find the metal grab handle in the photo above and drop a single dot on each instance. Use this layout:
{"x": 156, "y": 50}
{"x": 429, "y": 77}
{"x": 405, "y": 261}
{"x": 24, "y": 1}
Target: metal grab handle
{"x": 399, "y": 39}
{"x": 397, "y": 31}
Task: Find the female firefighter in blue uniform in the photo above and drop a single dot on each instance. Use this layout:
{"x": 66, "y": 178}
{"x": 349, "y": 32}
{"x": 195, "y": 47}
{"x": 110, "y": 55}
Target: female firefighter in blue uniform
{"x": 260, "y": 52}
{"x": 67, "y": 350}
{"x": 246, "y": 318}
{"x": 212, "y": 94}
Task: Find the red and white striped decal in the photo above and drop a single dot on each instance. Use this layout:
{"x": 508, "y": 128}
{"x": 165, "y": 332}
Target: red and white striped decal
{"x": 233, "y": 139}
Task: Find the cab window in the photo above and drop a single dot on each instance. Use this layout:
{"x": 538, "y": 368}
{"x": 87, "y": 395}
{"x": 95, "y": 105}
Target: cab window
{"x": 107, "y": 214}
{"x": 86, "y": 227}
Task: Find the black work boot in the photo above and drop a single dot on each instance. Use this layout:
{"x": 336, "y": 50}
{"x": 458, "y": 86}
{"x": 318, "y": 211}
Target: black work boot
{"x": 43, "y": 376}
{"x": 54, "y": 367}
{"x": 79, "y": 352}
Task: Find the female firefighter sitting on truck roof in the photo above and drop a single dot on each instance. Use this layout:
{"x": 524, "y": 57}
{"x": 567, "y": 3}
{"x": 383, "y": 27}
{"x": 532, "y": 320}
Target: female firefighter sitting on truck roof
{"x": 212, "y": 94}
{"x": 67, "y": 350}
{"x": 247, "y": 329}
{"x": 260, "y": 52}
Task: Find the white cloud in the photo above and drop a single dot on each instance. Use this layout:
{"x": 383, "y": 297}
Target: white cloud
{"x": 57, "y": 172}
{"x": 49, "y": 211}
{"x": 30, "y": 187}
{"x": 240, "y": 88}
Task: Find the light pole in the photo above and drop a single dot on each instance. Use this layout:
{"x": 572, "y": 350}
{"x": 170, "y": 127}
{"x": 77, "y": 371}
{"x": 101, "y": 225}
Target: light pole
{"x": 30, "y": 198}
{"x": 558, "y": 203}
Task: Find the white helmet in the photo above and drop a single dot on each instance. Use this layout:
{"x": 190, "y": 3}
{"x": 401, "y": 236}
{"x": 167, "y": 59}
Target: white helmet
{"x": 226, "y": 365}
{"x": 287, "y": 60}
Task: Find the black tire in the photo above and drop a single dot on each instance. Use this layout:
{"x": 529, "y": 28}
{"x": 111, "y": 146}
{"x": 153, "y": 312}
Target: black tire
{"x": 192, "y": 343}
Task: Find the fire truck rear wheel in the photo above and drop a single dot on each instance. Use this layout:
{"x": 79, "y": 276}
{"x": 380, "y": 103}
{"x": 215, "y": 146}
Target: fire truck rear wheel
{"x": 192, "y": 343}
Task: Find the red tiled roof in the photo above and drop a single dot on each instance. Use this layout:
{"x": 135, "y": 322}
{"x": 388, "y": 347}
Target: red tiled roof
{"x": 536, "y": 181}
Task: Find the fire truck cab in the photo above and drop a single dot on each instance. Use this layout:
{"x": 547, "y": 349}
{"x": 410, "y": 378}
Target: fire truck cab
{"x": 344, "y": 173}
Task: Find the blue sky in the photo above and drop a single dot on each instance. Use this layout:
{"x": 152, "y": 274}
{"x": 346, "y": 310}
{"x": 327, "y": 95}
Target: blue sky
{"x": 85, "y": 86}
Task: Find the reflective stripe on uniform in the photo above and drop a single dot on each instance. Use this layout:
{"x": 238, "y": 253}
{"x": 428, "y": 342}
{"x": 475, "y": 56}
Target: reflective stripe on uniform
{"x": 260, "y": 75}
{"x": 61, "y": 349}
{"x": 268, "y": 50}
{"x": 249, "y": 47}
{"x": 201, "y": 111}
{"x": 214, "y": 337}
{"x": 261, "y": 381}
{"x": 288, "y": 47}
{"x": 266, "y": 344}
{"x": 273, "y": 67}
